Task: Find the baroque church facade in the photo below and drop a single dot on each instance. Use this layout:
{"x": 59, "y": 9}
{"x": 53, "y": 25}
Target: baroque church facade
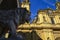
{"x": 46, "y": 26}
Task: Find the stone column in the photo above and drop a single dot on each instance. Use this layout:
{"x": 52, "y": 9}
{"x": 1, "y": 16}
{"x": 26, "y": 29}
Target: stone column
{"x": 47, "y": 34}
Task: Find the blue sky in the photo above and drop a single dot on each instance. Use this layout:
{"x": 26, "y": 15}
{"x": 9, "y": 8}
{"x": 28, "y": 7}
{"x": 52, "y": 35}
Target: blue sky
{"x": 41, "y": 4}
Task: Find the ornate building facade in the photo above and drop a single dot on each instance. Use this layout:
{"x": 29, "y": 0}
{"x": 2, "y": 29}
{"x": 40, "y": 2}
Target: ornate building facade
{"x": 46, "y": 26}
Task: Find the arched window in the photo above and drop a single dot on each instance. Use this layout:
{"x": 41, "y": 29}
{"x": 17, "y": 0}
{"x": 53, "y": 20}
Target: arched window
{"x": 44, "y": 19}
{"x": 52, "y": 20}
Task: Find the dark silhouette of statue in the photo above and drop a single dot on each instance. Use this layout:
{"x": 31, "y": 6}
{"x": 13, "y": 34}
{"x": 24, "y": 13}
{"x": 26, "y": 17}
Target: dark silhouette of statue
{"x": 8, "y": 4}
{"x": 10, "y": 18}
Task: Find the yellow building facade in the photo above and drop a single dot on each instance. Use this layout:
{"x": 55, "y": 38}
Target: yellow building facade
{"x": 46, "y": 26}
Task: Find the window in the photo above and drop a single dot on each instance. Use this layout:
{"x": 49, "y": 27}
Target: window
{"x": 44, "y": 18}
{"x": 52, "y": 20}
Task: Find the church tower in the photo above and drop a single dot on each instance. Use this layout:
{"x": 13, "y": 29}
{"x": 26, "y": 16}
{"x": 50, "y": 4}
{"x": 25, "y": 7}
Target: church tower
{"x": 45, "y": 26}
{"x": 26, "y": 4}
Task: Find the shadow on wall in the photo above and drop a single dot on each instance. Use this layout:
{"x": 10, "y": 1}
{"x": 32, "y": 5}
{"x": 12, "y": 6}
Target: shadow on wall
{"x": 58, "y": 38}
{"x": 29, "y": 35}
